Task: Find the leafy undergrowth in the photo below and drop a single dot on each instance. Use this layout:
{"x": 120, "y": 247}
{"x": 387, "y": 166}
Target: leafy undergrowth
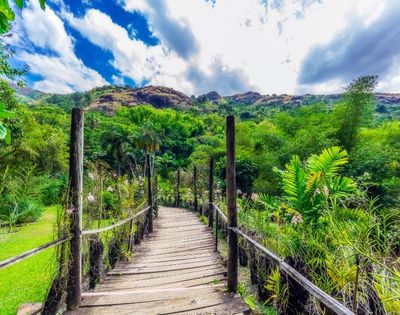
{"x": 29, "y": 280}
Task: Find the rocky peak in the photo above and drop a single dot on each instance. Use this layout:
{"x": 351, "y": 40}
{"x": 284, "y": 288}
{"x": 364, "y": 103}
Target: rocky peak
{"x": 211, "y": 96}
{"x": 157, "y": 96}
{"x": 245, "y": 98}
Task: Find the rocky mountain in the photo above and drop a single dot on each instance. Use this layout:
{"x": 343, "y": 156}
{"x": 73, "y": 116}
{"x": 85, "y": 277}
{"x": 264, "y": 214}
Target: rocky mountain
{"x": 157, "y": 96}
{"x": 109, "y": 98}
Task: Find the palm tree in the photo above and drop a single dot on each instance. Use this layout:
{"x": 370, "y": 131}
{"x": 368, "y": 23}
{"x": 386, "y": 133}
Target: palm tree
{"x": 310, "y": 187}
{"x": 118, "y": 142}
{"x": 147, "y": 139}
{"x": 164, "y": 162}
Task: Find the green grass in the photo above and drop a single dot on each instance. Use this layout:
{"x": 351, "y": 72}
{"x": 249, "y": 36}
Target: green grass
{"x": 29, "y": 280}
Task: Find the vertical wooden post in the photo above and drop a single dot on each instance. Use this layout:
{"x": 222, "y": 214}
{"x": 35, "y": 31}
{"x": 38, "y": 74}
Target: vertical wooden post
{"x": 196, "y": 202}
{"x": 231, "y": 203}
{"x": 130, "y": 239}
{"x": 216, "y": 230}
{"x": 155, "y": 193}
{"x": 74, "y": 290}
{"x": 178, "y": 194}
{"x": 211, "y": 193}
{"x": 149, "y": 192}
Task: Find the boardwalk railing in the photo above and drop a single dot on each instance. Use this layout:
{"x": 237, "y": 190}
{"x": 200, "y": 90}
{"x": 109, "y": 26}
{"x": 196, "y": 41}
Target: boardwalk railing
{"x": 319, "y": 294}
{"x": 75, "y": 235}
{"x": 16, "y": 259}
{"x": 225, "y": 224}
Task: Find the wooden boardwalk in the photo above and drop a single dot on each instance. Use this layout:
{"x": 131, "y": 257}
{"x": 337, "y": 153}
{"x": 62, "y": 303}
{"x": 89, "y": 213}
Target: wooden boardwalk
{"x": 174, "y": 271}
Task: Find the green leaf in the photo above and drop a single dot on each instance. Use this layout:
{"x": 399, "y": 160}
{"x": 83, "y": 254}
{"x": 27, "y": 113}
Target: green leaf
{"x": 7, "y": 138}
{"x": 7, "y": 114}
{"x": 20, "y": 3}
{"x": 3, "y": 23}
{"x": 42, "y": 4}
{"x": 3, "y": 132}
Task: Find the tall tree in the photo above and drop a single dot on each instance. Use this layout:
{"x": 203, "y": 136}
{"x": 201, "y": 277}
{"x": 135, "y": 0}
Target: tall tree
{"x": 358, "y": 107}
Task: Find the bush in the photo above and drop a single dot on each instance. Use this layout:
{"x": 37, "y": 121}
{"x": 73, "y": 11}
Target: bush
{"x": 51, "y": 189}
{"x": 24, "y": 210}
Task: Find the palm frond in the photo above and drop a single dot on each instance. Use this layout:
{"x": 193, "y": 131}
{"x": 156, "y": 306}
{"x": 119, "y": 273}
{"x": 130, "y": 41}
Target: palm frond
{"x": 294, "y": 183}
{"x": 329, "y": 162}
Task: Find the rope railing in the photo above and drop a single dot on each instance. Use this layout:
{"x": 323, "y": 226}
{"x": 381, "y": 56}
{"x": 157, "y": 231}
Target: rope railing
{"x": 110, "y": 227}
{"x": 29, "y": 253}
{"x": 13, "y": 260}
{"x": 220, "y": 212}
{"x": 321, "y": 295}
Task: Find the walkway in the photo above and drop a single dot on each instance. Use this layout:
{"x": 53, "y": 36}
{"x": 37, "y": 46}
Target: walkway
{"x": 174, "y": 271}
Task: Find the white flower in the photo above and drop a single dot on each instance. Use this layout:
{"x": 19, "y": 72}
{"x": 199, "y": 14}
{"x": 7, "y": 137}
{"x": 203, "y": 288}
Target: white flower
{"x": 110, "y": 189}
{"x": 253, "y": 196}
{"x": 325, "y": 190}
{"x": 70, "y": 210}
{"x": 91, "y": 176}
{"x": 297, "y": 218}
{"x": 126, "y": 182}
{"x": 239, "y": 192}
{"x": 317, "y": 191}
{"x": 90, "y": 198}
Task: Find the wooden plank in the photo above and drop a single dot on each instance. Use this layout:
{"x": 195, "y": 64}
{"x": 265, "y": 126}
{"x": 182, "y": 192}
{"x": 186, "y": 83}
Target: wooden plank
{"x": 165, "y": 275}
{"x": 132, "y": 296}
{"x": 174, "y": 271}
{"x": 139, "y": 270}
{"x": 170, "y": 282}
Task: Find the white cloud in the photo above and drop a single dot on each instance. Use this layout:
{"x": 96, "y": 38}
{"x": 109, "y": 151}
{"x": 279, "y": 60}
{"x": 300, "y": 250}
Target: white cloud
{"x": 264, "y": 42}
{"x": 227, "y": 46}
{"x": 58, "y": 66}
{"x": 131, "y": 57}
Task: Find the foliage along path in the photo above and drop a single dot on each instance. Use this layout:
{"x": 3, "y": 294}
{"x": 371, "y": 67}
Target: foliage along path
{"x": 174, "y": 271}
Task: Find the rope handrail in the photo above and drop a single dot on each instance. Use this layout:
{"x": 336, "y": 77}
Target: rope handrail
{"x": 110, "y": 227}
{"x": 13, "y": 260}
{"x": 221, "y": 213}
{"x": 321, "y": 295}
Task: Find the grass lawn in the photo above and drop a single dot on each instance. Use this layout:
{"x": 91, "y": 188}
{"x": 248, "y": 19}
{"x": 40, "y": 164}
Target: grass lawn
{"x": 27, "y": 281}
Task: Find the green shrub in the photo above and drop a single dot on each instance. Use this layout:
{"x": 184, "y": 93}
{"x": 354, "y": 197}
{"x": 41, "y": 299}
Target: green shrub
{"x": 51, "y": 189}
{"x": 24, "y": 210}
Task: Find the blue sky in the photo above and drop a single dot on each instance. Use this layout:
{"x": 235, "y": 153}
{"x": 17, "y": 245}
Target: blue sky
{"x": 196, "y": 46}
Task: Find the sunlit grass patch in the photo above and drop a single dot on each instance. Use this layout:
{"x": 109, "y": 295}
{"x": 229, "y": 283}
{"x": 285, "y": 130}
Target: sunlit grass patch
{"x": 29, "y": 280}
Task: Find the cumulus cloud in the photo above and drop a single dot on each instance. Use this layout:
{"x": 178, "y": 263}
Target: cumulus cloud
{"x": 131, "y": 57}
{"x": 218, "y": 78}
{"x": 58, "y": 66}
{"x": 366, "y": 49}
{"x": 272, "y": 46}
{"x": 261, "y": 43}
{"x": 175, "y": 33}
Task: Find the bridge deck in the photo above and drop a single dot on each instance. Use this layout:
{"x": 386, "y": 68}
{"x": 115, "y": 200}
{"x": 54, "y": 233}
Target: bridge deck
{"x": 174, "y": 271}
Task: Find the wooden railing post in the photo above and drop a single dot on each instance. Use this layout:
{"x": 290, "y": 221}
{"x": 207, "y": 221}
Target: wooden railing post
{"x": 196, "y": 202}
{"x": 211, "y": 194}
{"x": 231, "y": 203}
{"x": 74, "y": 290}
{"x": 149, "y": 192}
{"x": 155, "y": 193}
{"x": 178, "y": 194}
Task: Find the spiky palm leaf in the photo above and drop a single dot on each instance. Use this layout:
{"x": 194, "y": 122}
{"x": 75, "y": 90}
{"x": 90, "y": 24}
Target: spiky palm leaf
{"x": 329, "y": 162}
{"x": 294, "y": 184}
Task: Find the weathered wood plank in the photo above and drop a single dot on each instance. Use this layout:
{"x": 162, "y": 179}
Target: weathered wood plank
{"x": 174, "y": 271}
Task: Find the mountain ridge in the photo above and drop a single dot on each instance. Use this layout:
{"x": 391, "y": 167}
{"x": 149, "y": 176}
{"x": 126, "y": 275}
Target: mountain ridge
{"x": 109, "y": 98}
